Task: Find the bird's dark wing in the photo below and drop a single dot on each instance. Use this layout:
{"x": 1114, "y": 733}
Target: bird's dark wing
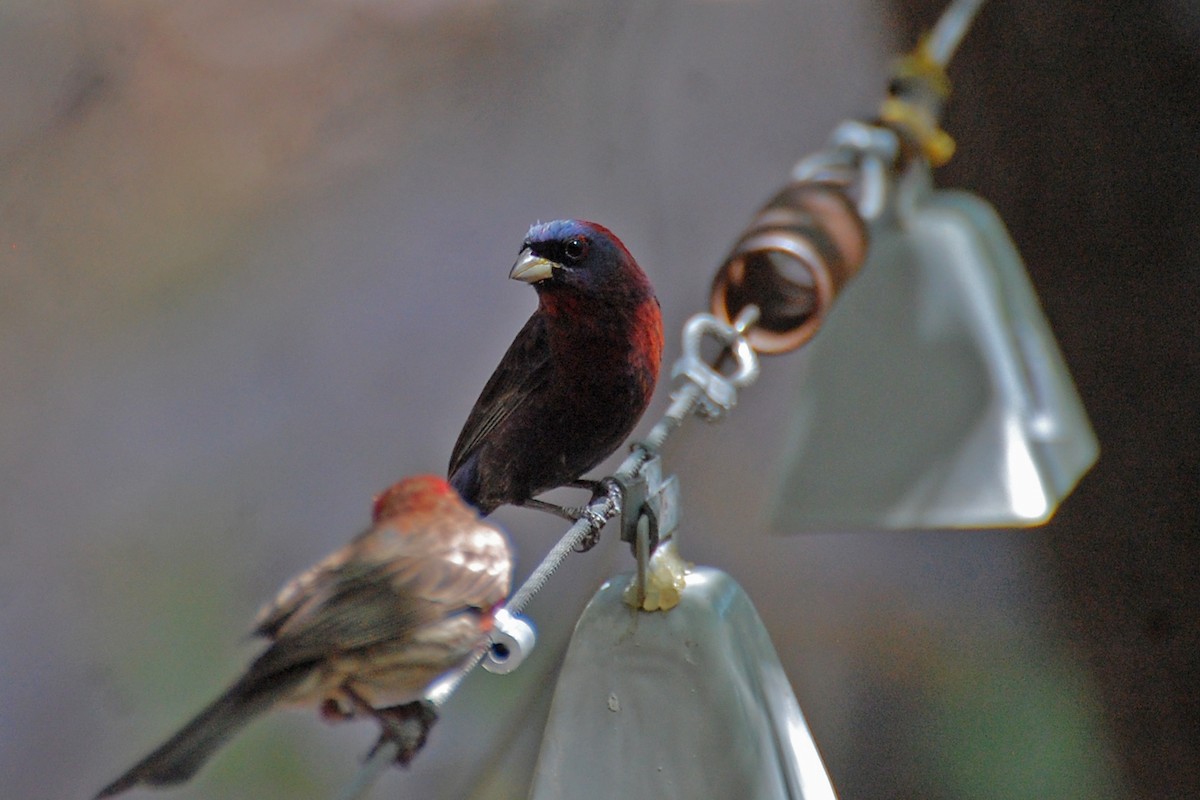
{"x": 392, "y": 579}
{"x": 523, "y": 372}
{"x": 357, "y": 608}
{"x": 307, "y": 592}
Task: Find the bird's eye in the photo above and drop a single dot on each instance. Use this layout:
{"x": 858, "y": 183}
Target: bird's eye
{"x": 575, "y": 249}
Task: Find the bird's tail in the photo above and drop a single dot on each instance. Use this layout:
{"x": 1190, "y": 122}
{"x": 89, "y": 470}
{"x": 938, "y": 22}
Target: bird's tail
{"x": 183, "y": 754}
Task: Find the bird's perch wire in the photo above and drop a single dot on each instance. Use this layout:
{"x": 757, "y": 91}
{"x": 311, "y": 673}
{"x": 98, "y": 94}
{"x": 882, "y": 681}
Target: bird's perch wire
{"x": 371, "y": 770}
{"x": 950, "y": 29}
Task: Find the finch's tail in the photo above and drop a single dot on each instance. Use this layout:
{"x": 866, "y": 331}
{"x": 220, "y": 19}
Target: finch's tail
{"x": 183, "y": 754}
{"x": 465, "y": 480}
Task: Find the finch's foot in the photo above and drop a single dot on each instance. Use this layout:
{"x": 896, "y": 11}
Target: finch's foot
{"x": 607, "y": 487}
{"x": 333, "y": 711}
{"x": 588, "y": 542}
{"x": 572, "y": 514}
{"x": 407, "y": 727}
{"x": 603, "y": 488}
{"x": 569, "y": 514}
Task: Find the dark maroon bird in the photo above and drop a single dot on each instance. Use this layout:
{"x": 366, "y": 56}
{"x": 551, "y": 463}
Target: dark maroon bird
{"x": 366, "y": 630}
{"x": 576, "y": 379}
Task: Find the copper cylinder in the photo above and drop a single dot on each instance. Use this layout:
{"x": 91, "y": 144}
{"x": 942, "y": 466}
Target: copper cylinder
{"x": 791, "y": 261}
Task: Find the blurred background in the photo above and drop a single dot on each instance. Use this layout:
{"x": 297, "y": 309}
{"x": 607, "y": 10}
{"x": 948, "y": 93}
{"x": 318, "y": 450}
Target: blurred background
{"x": 253, "y": 263}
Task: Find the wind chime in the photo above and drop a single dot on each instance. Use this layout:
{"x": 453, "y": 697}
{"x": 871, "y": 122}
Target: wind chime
{"x": 934, "y": 397}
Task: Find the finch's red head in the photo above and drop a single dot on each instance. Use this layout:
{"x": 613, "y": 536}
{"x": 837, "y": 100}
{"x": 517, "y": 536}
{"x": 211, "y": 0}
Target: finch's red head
{"x": 578, "y": 256}
{"x": 417, "y": 493}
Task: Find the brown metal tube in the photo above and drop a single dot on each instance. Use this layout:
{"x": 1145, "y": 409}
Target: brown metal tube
{"x": 791, "y": 262}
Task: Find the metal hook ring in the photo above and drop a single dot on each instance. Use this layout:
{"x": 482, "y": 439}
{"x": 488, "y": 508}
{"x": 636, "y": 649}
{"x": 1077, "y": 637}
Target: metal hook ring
{"x": 701, "y": 325}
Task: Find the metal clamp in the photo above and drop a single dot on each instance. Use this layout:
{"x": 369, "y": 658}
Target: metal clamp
{"x": 649, "y": 517}
{"x": 650, "y": 500}
{"x": 633, "y": 505}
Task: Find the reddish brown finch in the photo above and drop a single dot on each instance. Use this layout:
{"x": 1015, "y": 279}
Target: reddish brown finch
{"x": 576, "y": 379}
{"x": 368, "y": 629}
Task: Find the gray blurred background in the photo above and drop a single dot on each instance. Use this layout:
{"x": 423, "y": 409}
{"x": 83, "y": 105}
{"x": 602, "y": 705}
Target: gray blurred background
{"x": 252, "y": 270}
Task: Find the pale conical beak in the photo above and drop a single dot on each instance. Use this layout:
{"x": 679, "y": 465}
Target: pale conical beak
{"x": 530, "y": 268}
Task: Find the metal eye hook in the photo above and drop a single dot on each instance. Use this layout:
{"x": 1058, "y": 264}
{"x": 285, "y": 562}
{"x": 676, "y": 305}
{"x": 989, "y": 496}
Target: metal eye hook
{"x": 719, "y": 391}
{"x": 733, "y": 338}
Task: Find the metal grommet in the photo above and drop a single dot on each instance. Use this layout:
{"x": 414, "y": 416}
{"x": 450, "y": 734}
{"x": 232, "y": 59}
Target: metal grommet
{"x": 513, "y": 639}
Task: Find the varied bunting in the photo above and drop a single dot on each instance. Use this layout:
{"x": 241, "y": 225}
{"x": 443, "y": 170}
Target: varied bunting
{"x": 576, "y": 379}
{"x": 367, "y": 629}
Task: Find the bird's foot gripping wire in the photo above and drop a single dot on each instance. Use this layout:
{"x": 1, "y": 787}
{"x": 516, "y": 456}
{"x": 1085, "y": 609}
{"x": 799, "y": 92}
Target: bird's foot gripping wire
{"x": 606, "y": 488}
{"x": 406, "y": 727}
{"x": 569, "y": 513}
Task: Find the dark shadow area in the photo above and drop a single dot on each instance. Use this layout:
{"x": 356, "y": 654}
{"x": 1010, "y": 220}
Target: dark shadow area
{"x": 1081, "y": 123}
